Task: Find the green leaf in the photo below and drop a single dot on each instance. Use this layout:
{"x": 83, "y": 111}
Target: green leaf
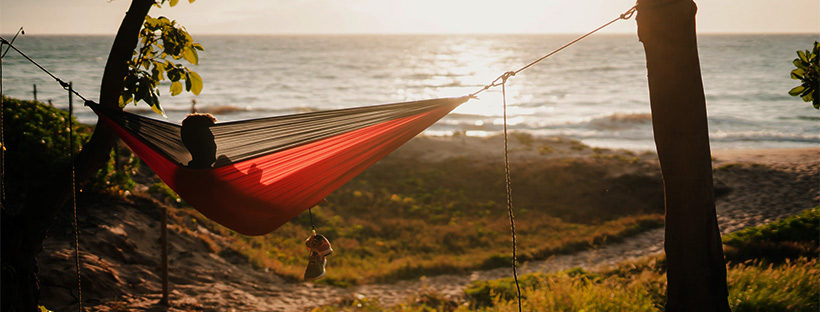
{"x": 802, "y": 56}
{"x": 187, "y": 81}
{"x": 807, "y": 97}
{"x": 190, "y": 55}
{"x": 796, "y": 90}
{"x": 808, "y": 90}
{"x": 125, "y": 98}
{"x": 174, "y": 74}
{"x": 798, "y": 74}
{"x": 176, "y": 88}
{"x": 196, "y": 82}
{"x": 173, "y": 2}
{"x": 150, "y": 22}
{"x": 157, "y": 109}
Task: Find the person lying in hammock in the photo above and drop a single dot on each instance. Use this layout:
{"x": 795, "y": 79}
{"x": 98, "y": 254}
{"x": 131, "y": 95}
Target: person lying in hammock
{"x": 199, "y": 140}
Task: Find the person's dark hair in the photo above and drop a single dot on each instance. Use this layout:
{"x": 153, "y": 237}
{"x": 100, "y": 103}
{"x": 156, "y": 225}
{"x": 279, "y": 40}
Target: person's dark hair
{"x": 198, "y": 139}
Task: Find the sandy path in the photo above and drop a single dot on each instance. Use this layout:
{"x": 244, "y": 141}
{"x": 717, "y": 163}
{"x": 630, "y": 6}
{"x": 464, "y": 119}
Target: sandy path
{"x": 765, "y": 185}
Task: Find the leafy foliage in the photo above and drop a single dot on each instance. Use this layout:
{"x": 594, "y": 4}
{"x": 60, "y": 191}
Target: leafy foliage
{"x": 37, "y": 148}
{"x": 36, "y": 142}
{"x": 775, "y": 242}
{"x": 115, "y": 176}
{"x": 162, "y": 43}
{"x": 808, "y": 72}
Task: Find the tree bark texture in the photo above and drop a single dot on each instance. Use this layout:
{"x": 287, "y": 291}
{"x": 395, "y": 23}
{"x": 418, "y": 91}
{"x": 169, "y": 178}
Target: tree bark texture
{"x": 24, "y": 230}
{"x": 696, "y": 270}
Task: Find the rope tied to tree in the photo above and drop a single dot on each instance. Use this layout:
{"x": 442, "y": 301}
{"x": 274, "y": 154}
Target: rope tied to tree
{"x": 508, "y": 183}
{"x": 62, "y": 83}
{"x": 74, "y": 195}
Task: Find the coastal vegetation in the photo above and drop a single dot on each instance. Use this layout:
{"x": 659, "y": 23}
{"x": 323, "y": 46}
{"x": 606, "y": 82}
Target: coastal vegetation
{"x": 782, "y": 275}
{"x": 405, "y": 218}
{"x": 808, "y": 72}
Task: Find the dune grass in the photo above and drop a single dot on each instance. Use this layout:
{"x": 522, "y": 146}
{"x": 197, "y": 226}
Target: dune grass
{"x": 789, "y": 238}
{"x": 405, "y": 218}
{"x": 770, "y": 282}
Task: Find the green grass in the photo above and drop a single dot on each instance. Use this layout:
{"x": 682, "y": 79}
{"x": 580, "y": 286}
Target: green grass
{"x": 791, "y": 284}
{"x": 775, "y": 242}
{"x": 405, "y": 218}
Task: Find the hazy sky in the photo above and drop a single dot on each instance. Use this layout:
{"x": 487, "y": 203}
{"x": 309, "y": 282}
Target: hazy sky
{"x": 400, "y": 16}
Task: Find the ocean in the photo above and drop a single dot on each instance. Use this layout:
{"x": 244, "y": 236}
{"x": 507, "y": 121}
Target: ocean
{"x": 595, "y": 91}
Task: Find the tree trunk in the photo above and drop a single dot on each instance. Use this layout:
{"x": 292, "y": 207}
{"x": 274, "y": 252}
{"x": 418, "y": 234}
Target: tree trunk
{"x": 23, "y": 232}
{"x": 696, "y": 271}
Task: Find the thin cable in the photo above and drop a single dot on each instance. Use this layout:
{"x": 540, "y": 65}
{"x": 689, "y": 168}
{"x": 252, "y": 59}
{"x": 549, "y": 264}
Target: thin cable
{"x": 508, "y": 186}
{"x": 12, "y": 41}
{"x": 624, "y": 16}
{"x": 2, "y": 139}
{"x": 312, "y": 225}
{"x": 74, "y": 194}
{"x": 62, "y": 83}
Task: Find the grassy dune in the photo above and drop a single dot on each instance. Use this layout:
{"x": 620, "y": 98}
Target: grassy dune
{"x": 405, "y": 218}
{"x": 786, "y": 277}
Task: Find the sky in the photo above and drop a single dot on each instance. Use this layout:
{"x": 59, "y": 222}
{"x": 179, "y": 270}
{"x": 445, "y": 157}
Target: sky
{"x": 400, "y": 16}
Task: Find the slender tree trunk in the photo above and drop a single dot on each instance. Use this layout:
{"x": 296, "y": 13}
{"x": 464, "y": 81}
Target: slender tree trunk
{"x": 23, "y": 231}
{"x": 696, "y": 271}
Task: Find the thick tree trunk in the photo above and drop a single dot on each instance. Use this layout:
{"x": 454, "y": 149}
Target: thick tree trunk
{"x": 23, "y": 231}
{"x": 696, "y": 271}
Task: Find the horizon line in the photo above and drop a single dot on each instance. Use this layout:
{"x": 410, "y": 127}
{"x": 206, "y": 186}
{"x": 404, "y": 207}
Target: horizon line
{"x": 426, "y": 34}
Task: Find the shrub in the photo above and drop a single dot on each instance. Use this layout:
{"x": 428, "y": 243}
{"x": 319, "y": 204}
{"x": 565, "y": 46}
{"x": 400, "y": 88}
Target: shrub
{"x": 36, "y": 142}
{"x": 789, "y": 238}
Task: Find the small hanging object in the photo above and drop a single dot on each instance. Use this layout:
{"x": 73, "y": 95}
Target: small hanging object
{"x": 319, "y": 248}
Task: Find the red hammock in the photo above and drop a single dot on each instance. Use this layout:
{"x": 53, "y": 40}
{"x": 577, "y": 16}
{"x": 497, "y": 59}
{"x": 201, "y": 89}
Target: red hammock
{"x": 271, "y": 169}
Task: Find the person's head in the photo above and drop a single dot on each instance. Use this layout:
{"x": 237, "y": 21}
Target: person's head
{"x": 198, "y": 139}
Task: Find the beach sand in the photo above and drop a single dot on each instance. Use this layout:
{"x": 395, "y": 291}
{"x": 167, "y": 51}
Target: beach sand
{"x": 121, "y": 259}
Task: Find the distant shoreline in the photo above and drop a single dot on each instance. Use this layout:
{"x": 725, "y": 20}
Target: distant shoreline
{"x": 420, "y": 34}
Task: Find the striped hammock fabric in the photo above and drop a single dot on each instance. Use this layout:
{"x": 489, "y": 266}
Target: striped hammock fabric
{"x": 254, "y": 175}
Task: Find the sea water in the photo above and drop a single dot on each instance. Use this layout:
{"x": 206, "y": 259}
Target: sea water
{"x": 595, "y": 91}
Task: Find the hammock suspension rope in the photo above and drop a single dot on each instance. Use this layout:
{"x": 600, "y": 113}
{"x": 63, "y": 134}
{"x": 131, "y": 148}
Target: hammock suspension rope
{"x": 508, "y": 184}
{"x": 500, "y": 81}
{"x": 74, "y": 194}
{"x": 2, "y": 137}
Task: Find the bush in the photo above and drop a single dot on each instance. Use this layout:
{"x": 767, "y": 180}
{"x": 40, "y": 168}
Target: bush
{"x": 37, "y": 148}
{"x": 36, "y": 142}
{"x": 789, "y": 238}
